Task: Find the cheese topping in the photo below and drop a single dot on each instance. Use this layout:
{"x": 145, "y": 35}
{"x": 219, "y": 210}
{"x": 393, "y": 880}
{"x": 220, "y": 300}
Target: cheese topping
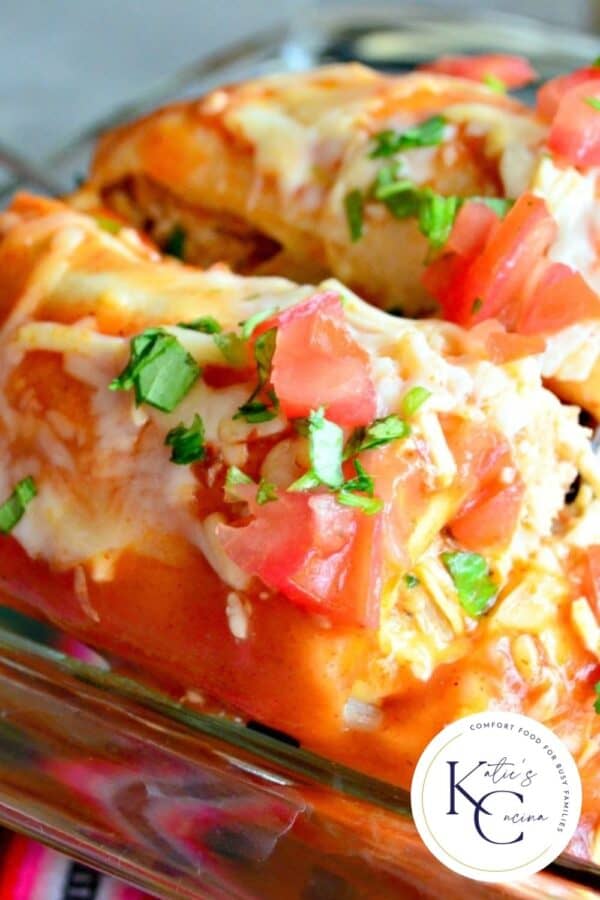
{"x": 281, "y": 144}
{"x": 573, "y": 352}
{"x": 144, "y": 503}
{"x": 571, "y": 198}
{"x": 502, "y": 128}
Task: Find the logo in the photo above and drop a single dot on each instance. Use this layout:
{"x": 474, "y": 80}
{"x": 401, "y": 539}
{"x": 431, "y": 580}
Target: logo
{"x": 496, "y": 796}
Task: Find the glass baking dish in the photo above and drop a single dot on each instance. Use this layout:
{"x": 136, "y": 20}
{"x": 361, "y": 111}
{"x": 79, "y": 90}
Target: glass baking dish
{"x": 187, "y": 804}
{"x": 97, "y": 763}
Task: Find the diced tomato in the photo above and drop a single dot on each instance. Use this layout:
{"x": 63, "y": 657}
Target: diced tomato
{"x": 551, "y": 93}
{"x": 591, "y": 576}
{"x": 575, "y": 130}
{"x": 561, "y": 298}
{"x": 478, "y": 450}
{"x": 275, "y": 542}
{"x": 499, "y": 270}
{"x": 493, "y": 285}
{"x": 444, "y": 279}
{"x": 472, "y": 228}
{"x": 401, "y": 483}
{"x": 503, "y": 347}
{"x": 326, "y": 303}
{"x": 492, "y": 486}
{"x": 322, "y": 556}
{"x": 487, "y": 521}
{"x": 513, "y": 71}
{"x": 583, "y": 570}
{"x": 318, "y": 363}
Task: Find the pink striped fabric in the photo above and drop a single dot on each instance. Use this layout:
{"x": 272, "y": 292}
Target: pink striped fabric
{"x": 29, "y": 871}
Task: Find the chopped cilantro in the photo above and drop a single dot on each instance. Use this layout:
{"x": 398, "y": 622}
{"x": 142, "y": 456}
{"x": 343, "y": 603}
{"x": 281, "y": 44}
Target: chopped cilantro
{"x": 141, "y": 347}
{"x": 405, "y": 204}
{"x": 368, "y": 505}
{"x": 236, "y": 476}
{"x": 205, "y": 324}
{"x": 411, "y": 581}
{"x": 175, "y": 242}
{"x": 325, "y": 444}
{"x": 594, "y": 102}
{"x": 264, "y": 348}
{"x": 426, "y": 134}
{"x": 358, "y": 492}
{"x": 327, "y": 452}
{"x": 386, "y": 143}
{"x": 436, "y": 216}
{"x": 233, "y": 348}
{"x": 112, "y": 226}
{"x": 233, "y": 478}
{"x": 325, "y": 447}
{"x": 494, "y": 83}
{"x": 597, "y": 700}
{"x": 400, "y": 195}
{"x": 353, "y": 204}
{"x": 388, "y": 183}
{"x": 476, "y": 305}
{"x": 254, "y": 412}
{"x": 435, "y": 212}
{"x": 13, "y": 508}
{"x": 187, "y": 443}
{"x": 160, "y": 370}
{"x": 596, "y": 62}
{"x": 414, "y": 399}
{"x": 266, "y": 493}
{"x": 470, "y": 574}
{"x": 362, "y": 482}
{"x": 254, "y": 321}
{"x": 378, "y": 433}
{"x": 306, "y": 482}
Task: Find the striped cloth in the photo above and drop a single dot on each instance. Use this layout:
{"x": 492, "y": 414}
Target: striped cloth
{"x": 29, "y": 871}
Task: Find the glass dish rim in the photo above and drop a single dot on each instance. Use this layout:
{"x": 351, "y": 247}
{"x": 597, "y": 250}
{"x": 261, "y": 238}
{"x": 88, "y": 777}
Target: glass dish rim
{"x": 289, "y": 760}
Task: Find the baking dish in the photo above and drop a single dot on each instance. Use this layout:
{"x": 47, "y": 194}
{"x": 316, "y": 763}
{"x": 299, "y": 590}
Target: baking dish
{"x": 376, "y": 843}
{"x": 187, "y": 804}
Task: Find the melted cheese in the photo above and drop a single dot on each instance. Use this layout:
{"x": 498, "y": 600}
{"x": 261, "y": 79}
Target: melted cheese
{"x": 572, "y": 353}
{"x": 106, "y": 484}
{"x": 298, "y": 125}
{"x": 170, "y": 293}
{"x": 571, "y": 199}
{"x": 443, "y": 461}
{"x": 517, "y": 164}
{"x": 502, "y": 128}
{"x": 57, "y": 338}
{"x": 281, "y": 144}
{"x": 586, "y": 624}
{"x": 238, "y": 617}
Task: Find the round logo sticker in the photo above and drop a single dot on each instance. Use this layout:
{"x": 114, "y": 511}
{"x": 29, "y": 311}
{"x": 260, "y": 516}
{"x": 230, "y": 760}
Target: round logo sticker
{"x": 496, "y": 796}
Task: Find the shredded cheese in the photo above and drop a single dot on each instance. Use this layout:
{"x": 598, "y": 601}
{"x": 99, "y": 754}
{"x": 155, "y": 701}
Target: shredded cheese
{"x": 237, "y": 616}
